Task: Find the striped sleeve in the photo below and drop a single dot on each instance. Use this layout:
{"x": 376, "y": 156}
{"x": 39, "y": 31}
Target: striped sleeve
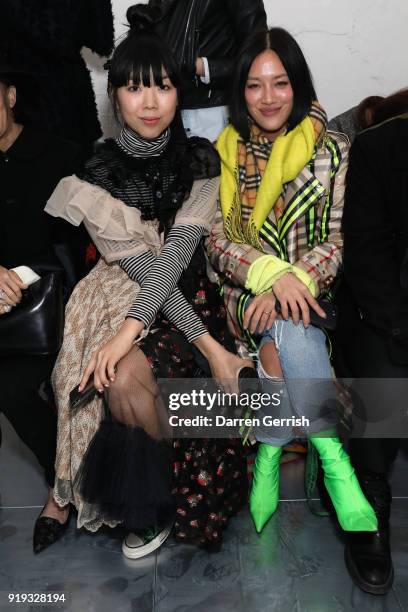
{"x": 158, "y": 278}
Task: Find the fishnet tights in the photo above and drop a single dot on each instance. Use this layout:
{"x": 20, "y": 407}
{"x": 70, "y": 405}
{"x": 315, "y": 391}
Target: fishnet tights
{"x": 133, "y": 397}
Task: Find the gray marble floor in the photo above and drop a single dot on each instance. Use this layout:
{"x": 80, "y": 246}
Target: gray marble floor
{"x": 295, "y": 565}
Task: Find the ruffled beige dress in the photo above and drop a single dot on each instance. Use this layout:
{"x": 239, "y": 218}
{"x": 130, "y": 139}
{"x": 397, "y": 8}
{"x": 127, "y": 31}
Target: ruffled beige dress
{"x": 97, "y": 308}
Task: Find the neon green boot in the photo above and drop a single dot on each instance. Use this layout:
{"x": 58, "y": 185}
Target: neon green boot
{"x": 353, "y": 510}
{"x": 264, "y": 496}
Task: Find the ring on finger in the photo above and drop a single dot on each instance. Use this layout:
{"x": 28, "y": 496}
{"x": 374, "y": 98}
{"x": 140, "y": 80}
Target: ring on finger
{"x": 3, "y": 294}
{"x": 266, "y": 312}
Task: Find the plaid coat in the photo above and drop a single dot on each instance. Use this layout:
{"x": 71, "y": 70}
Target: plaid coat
{"x": 308, "y": 233}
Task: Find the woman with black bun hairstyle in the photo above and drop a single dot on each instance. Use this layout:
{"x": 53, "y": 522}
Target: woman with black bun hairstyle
{"x": 146, "y": 198}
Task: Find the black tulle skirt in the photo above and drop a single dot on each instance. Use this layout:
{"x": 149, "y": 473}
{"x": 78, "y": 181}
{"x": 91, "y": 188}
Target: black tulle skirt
{"x": 200, "y": 483}
{"x": 129, "y": 476}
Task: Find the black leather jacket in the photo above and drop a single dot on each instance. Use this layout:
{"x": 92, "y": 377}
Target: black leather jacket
{"x": 214, "y": 29}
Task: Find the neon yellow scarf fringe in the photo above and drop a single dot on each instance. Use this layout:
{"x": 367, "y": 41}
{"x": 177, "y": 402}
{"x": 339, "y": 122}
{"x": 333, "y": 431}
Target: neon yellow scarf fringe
{"x": 290, "y": 154}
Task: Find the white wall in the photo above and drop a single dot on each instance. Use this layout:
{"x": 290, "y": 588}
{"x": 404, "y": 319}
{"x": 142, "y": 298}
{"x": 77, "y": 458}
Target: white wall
{"x": 355, "y": 48}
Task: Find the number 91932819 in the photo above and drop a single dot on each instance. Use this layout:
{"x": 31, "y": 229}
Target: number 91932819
{"x": 43, "y": 598}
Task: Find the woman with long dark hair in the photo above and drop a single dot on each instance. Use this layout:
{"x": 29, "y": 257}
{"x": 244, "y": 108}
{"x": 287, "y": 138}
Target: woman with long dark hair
{"x": 277, "y": 247}
{"x": 146, "y": 199}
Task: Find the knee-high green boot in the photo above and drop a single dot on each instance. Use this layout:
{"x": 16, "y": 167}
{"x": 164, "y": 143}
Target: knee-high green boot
{"x": 352, "y": 508}
{"x": 265, "y": 485}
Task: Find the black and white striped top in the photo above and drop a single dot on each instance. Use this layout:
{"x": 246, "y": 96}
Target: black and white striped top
{"x": 157, "y": 276}
{"x": 132, "y": 144}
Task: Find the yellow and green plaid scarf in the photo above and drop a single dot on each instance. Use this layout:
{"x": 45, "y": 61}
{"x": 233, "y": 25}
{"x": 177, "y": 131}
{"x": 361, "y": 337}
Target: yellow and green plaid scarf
{"x": 265, "y": 176}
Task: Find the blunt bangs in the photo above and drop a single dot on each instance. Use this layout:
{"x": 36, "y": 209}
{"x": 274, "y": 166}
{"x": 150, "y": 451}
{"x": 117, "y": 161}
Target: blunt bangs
{"x": 142, "y": 59}
{"x": 294, "y": 62}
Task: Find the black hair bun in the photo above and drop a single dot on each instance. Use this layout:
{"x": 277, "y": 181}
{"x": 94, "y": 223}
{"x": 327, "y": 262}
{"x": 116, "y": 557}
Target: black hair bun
{"x": 143, "y": 18}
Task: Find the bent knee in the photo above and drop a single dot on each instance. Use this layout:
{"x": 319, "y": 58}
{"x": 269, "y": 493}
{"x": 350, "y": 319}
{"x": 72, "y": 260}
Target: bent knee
{"x": 299, "y": 342}
{"x": 269, "y": 360}
{"x": 134, "y": 380}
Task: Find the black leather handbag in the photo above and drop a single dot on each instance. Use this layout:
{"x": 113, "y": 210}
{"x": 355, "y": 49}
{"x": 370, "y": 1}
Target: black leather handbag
{"x": 36, "y": 325}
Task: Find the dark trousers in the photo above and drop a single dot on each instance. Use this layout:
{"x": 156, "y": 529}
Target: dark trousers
{"x": 33, "y": 419}
{"x": 359, "y": 352}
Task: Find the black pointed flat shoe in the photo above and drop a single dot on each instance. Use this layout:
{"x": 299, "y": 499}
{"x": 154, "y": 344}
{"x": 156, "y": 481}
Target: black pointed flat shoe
{"x": 47, "y": 531}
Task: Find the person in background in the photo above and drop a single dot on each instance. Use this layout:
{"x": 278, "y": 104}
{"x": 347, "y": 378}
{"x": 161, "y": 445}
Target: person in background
{"x": 205, "y": 36}
{"x": 46, "y": 38}
{"x": 370, "y": 111}
{"x": 32, "y": 162}
{"x": 371, "y": 341}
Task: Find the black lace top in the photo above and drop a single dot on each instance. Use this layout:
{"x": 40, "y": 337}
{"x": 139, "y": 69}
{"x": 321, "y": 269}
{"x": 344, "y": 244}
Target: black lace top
{"x": 157, "y": 186}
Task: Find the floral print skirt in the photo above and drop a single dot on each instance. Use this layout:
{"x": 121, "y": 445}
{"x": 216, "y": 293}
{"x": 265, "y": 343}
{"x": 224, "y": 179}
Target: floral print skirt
{"x": 209, "y": 475}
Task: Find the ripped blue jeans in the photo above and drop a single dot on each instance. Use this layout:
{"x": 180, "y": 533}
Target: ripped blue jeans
{"x": 307, "y": 389}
